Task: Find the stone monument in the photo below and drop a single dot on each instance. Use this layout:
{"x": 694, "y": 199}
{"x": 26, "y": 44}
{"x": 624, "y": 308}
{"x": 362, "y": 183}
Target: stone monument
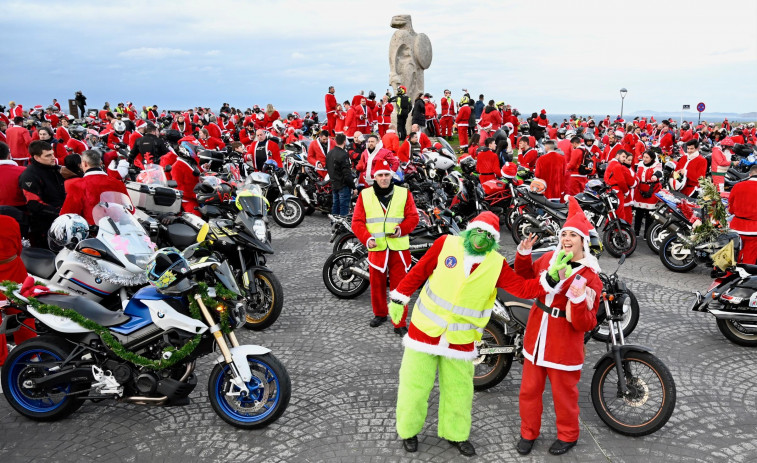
{"x": 409, "y": 55}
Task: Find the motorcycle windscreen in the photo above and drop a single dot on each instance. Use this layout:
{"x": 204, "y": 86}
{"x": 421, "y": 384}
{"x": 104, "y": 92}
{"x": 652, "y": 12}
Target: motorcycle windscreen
{"x": 121, "y": 231}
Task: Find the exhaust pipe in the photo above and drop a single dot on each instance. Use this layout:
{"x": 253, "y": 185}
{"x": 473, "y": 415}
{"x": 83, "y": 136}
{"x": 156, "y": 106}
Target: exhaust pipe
{"x": 737, "y": 316}
{"x": 359, "y": 272}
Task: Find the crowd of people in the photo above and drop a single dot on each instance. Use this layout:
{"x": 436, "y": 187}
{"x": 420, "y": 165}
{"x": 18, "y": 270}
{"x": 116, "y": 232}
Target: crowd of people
{"x": 52, "y": 163}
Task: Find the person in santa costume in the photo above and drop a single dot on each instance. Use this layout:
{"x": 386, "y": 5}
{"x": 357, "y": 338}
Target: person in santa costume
{"x": 408, "y": 148}
{"x": 742, "y": 205}
{"x": 384, "y": 115}
{"x": 527, "y": 156}
{"x": 619, "y": 178}
{"x": 186, "y": 173}
{"x": 83, "y": 195}
{"x": 690, "y": 168}
{"x": 383, "y": 217}
{"x": 553, "y": 345}
{"x": 330, "y": 103}
{"x": 390, "y": 140}
{"x": 580, "y": 166}
{"x": 461, "y": 275}
{"x": 463, "y": 121}
{"x": 367, "y": 160}
{"x": 423, "y": 139}
{"x": 721, "y": 161}
{"x": 447, "y": 117}
{"x": 551, "y": 168}
{"x": 261, "y": 150}
{"x": 648, "y": 175}
{"x": 317, "y": 152}
{"x": 487, "y": 161}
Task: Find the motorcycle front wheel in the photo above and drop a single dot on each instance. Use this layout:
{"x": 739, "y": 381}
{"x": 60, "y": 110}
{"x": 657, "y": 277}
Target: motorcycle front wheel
{"x": 264, "y": 306}
{"x": 619, "y": 238}
{"x": 650, "y": 400}
{"x": 288, "y": 213}
{"x": 737, "y": 333}
{"x": 676, "y": 255}
{"x": 269, "y": 393}
{"x": 340, "y": 280}
{"x": 491, "y": 369}
{"x": 630, "y": 319}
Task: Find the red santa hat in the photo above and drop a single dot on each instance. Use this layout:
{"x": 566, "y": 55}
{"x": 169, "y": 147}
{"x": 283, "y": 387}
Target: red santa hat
{"x": 487, "y": 221}
{"x": 544, "y": 111}
{"x": 380, "y": 165}
{"x": 140, "y": 123}
{"x": 509, "y": 170}
{"x": 727, "y": 141}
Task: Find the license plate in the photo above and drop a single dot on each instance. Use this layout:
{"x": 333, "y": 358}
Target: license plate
{"x": 496, "y": 350}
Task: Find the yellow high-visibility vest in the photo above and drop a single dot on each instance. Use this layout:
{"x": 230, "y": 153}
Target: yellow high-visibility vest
{"x": 455, "y": 305}
{"x": 381, "y": 225}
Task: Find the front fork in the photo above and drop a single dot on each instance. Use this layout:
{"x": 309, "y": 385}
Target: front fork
{"x": 616, "y": 342}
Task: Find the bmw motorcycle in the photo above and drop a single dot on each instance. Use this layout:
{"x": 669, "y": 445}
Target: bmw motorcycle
{"x": 50, "y": 377}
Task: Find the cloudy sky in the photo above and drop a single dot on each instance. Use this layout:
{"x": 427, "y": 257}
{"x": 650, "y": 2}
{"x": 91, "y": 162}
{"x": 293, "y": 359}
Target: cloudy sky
{"x": 559, "y": 55}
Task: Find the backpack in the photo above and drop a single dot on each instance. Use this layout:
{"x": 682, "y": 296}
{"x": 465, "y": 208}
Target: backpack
{"x": 587, "y": 164}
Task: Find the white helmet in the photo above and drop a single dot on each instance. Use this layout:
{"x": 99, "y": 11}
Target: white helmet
{"x": 278, "y": 126}
{"x": 119, "y": 127}
{"x": 68, "y": 229}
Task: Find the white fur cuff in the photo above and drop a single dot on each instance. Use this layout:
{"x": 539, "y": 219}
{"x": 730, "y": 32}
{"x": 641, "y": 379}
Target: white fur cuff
{"x": 545, "y": 285}
{"x": 442, "y": 351}
{"x": 523, "y": 252}
{"x": 395, "y": 295}
{"x": 578, "y": 299}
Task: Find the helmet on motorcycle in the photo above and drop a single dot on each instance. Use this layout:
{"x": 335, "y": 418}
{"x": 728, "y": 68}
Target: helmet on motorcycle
{"x": 538, "y": 186}
{"x": 595, "y": 244}
{"x": 279, "y": 126}
{"x": 685, "y": 126}
{"x": 750, "y": 125}
{"x": 214, "y": 159}
{"x": 561, "y": 132}
{"x": 450, "y": 185}
{"x": 119, "y": 127}
{"x": 468, "y": 165}
{"x": 168, "y": 272}
{"x": 78, "y": 132}
{"x": 67, "y": 230}
{"x": 187, "y": 150}
{"x": 212, "y": 191}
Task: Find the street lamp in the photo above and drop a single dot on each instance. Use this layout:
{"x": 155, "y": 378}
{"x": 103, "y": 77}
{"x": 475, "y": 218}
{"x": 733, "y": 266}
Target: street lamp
{"x": 623, "y": 92}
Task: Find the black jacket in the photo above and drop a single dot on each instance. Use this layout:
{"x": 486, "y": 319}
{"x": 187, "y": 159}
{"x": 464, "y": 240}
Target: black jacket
{"x": 339, "y": 167}
{"x": 404, "y": 106}
{"x": 419, "y": 112}
{"x": 149, "y": 143}
{"x": 43, "y": 187}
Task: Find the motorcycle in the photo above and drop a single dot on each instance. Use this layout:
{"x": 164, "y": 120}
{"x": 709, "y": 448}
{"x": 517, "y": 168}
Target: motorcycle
{"x": 288, "y": 211}
{"x": 88, "y": 352}
{"x": 600, "y": 203}
{"x": 106, "y": 269}
{"x": 732, "y": 300}
{"x": 632, "y": 391}
{"x": 313, "y": 191}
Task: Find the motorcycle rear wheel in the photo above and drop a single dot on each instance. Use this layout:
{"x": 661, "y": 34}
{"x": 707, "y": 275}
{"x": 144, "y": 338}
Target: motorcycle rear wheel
{"x": 339, "y": 280}
{"x": 288, "y": 213}
{"x": 673, "y": 257}
{"x": 521, "y": 228}
{"x": 737, "y": 334}
{"x": 346, "y": 242}
{"x": 651, "y": 399}
{"x": 39, "y": 403}
{"x": 654, "y": 236}
{"x": 619, "y": 238}
{"x": 264, "y": 307}
{"x": 490, "y": 370}
{"x": 270, "y": 390}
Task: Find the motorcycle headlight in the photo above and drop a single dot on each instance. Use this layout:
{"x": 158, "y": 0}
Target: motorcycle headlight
{"x": 259, "y": 228}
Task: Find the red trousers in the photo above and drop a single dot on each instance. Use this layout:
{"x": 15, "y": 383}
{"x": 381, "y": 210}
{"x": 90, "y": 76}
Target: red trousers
{"x": 564, "y": 395}
{"x": 462, "y": 132}
{"x": 446, "y": 126}
{"x": 382, "y": 129}
{"x": 397, "y": 272}
{"x": 748, "y": 254}
{"x": 576, "y": 185}
{"x": 21, "y": 335}
{"x": 331, "y": 123}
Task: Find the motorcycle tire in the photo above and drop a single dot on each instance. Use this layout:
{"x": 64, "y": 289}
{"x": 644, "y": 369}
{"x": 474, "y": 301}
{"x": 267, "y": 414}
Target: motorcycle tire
{"x": 490, "y": 370}
{"x": 737, "y": 334}
{"x": 651, "y": 399}
{"x": 510, "y": 214}
{"x": 44, "y": 403}
{"x": 288, "y": 213}
{"x": 309, "y": 209}
{"x": 654, "y": 236}
{"x": 520, "y": 229}
{"x": 339, "y": 280}
{"x": 270, "y": 389}
{"x": 346, "y": 242}
{"x": 671, "y": 257}
{"x": 630, "y": 320}
{"x": 264, "y": 307}
{"x": 619, "y": 238}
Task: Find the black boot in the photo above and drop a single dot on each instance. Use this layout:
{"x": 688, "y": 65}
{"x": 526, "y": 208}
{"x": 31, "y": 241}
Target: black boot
{"x": 410, "y": 444}
{"x": 559, "y": 447}
{"x": 465, "y": 447}
{"x": 525, "y": 446}
{"x": 377, "y": 321}
{"x": 402, "y": 331}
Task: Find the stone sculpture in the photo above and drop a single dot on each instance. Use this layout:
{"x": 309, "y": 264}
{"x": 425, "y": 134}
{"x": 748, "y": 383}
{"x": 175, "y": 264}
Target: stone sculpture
{"x": 409, "y": 55}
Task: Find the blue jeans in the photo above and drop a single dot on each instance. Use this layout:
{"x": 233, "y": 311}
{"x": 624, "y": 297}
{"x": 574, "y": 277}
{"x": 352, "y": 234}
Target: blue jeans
{"x": 341, "y": 203}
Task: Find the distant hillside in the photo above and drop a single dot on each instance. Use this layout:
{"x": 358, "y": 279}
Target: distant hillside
{"x": 690, "y": 115}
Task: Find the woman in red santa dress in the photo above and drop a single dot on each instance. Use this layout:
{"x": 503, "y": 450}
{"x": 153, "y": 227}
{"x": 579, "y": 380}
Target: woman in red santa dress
{"x": 648, "y": 175}
{"x": 553, "y": 345}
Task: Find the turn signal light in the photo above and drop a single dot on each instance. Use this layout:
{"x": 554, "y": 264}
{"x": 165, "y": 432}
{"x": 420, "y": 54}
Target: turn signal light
{"x": 90, "y": 251}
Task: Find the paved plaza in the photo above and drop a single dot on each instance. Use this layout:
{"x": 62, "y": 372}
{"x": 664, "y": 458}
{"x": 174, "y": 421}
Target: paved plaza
{"x": 344, "y": 381}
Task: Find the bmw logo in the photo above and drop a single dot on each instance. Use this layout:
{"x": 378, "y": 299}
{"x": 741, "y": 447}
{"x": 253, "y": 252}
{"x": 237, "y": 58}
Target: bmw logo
{"x": 161, "y": 314}
{"x": 98, "y": 280}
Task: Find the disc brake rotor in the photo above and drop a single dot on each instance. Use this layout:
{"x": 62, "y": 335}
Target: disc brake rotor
{"x": 638, "y": 392}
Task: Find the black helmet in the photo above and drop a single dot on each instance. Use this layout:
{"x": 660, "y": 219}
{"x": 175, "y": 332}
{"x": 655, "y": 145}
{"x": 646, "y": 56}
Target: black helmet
{"x": 685, "y": 126}
{"x": 588, "y": 136}
{"x": 371, "y": 95}
{"x": 561, "y": 132}
{"x": 468, "y": 165}
{"x": 168, "y": 272}
{"x": 212, "y": 191}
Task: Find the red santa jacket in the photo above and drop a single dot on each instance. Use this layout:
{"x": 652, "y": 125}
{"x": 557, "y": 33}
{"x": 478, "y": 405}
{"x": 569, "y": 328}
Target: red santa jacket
{"x": 62, "y": 134}
{"x": 362, "y": 118}
{"x": 555, "y": 342}
{"x": 272, "y": 152}
{"x": 487, "y": 165}
{"x": 316, "y": 154}
{"x": 113, "y": 139}
{"x": 528, "y": 159}
{"x": 619, "y": 177}
{"x": 247, "y": 136}
{"x": 212, "y": 143}
{"x": 186, "y": 180}
{"x": 551, "y": 168}
{"x": 644, "y": 184}
{"x": 268, "y": 120}
{"x": 666, "y": 142}
{"x": 365, "y": 177}
{"x": 10, "y": 237}
{"x": 610, "y": 152}
{"x": 330, "y": 103}
{"x": 694, "y": 168}
{"x": 448, "y": 107}
{"x": 430, "y": 110}
{"x": 183, "y": 127}
{"x": 742, "y": 205}
{"x": 565, "y": 146}
{"x": 339, "y": 125}
{"x": 424, "y": 141}
{"x": 18, "y": 142}
{"x": 350, "y": 122}
{"x": 391, "y": 141}
{"x": 76, "y": 146}
{"x": 385, "y": 114}
{"x": 463, "y": 116}
{"x": 380, "y": 259}
{"x": 10, "y": 192}
{"x": 84, "y": 194}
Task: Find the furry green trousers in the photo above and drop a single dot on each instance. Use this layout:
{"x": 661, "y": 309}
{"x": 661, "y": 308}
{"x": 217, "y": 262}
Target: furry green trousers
{"x": 417, "y": 375}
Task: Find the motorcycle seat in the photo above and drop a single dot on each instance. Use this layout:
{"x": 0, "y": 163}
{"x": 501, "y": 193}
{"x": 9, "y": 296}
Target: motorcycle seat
{"x": 546, "y": 202}
{"x": 39, "y": 262}
{"x": 750, "y": 268}
{"x": 85, "y": 307}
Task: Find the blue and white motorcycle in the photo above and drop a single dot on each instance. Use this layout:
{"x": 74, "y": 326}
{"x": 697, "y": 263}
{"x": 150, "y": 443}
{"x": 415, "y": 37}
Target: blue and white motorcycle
{"x": 94, "y": 353}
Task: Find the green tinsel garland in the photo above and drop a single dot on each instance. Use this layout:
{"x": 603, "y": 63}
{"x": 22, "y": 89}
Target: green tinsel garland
{"x": 116, "y": 347}
{"x": 714, "y": 214}
{"x": 222, "y": 294}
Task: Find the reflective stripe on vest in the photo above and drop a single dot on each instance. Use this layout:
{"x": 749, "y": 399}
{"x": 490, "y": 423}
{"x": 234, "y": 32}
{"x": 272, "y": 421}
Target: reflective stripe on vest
{"x": 381, "y": 224}
{"x": 438, "y": 309}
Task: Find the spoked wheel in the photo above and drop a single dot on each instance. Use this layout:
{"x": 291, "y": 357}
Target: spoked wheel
{"x": 649, "y": 402}
{"x": 34, "y": 360}
{"x": 521, "y": 229}
{"x": 264, "y": 306}
{"x": 654, "y": 236}
{"x": 619, "y": 238}
{"x": 510, "y": 214}
{"x": 288, "y": 213}
{"x": 628, "y": 323}
{"x": 340, "y": 280}
{"x": 676, "y": 255}
{"x": 491, "y": 369}
{"x": 346, "y": 242}
{"x": 268, "y": 397}
{"x": 738, "y": 333}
